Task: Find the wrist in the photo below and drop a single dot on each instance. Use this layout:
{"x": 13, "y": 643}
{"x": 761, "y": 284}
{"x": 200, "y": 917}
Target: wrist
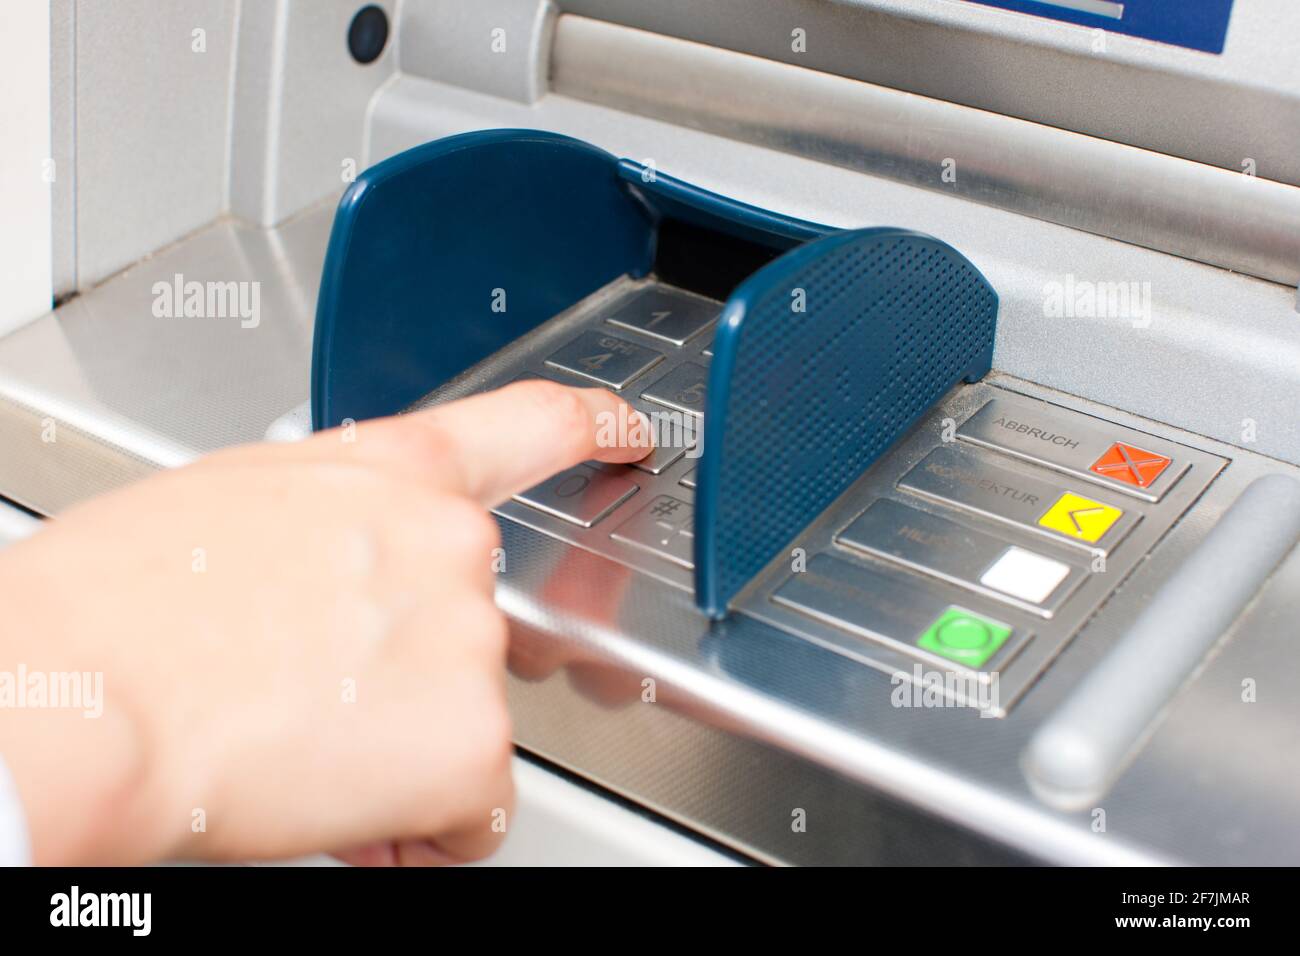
{"x": 76, "y": 755}
{"x": 77, "y": 781}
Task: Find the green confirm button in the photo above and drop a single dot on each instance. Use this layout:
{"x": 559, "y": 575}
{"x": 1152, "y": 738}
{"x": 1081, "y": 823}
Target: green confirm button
{"x": 965, "y": 637}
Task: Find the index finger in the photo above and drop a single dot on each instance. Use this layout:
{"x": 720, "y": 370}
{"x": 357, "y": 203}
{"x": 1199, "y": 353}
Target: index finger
{"x": 498, "y": 443}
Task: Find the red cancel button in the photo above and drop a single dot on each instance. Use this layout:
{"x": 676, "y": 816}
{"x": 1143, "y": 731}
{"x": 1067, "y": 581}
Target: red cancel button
{"x": 1131, "y": 465}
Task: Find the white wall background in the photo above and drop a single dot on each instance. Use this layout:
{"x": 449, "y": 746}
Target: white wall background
{"x": 25, "y": 263}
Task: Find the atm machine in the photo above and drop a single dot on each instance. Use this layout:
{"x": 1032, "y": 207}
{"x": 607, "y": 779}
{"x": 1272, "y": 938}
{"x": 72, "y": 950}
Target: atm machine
{"x": 980, "y": 318}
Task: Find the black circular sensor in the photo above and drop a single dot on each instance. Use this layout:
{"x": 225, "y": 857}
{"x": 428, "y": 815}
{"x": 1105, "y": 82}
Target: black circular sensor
{"x": 367, "y": 34}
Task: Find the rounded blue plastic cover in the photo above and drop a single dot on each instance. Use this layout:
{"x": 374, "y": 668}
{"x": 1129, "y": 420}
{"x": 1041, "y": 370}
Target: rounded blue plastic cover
{"x": 822, "y": 359}
{"x": 450, "y": 251}
{"x": 447, "y": 252}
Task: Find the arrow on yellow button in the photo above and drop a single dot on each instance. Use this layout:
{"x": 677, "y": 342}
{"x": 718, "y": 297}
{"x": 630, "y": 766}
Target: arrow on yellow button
{"x": 1080, "y": 517}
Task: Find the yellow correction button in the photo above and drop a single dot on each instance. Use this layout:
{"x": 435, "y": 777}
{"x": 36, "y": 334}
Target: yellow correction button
{"x": 1078, "y": 517}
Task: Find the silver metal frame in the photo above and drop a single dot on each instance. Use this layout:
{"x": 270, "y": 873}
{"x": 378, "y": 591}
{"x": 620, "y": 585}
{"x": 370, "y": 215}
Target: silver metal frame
{"x": 1218, "y": 109}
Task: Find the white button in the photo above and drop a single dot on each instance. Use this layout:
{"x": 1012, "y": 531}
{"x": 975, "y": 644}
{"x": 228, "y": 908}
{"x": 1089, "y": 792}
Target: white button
{"x": 1025, "y": 575}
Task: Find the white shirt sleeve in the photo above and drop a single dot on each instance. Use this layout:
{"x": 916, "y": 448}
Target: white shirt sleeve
{"x": 15, "y": 848}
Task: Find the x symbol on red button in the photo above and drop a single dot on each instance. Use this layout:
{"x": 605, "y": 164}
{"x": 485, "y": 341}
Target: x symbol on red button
{"x": 1131, "y": 465}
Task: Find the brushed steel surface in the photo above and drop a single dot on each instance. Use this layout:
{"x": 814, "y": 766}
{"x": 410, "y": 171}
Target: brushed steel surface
{"x": 749, "y": 725}
{"x": 1153, "y": 95}
{"x": 63, "y": 145}
{"x": 1245, "y": 223}
{"x": 1084, "y": 742}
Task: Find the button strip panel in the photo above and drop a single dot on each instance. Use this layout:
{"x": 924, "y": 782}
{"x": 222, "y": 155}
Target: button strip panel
{"x": 962, "y": 478}
{"x": 891, "y": 610}
{"x": 972, "y": 559}
{"x": 1118, "y": 458}
{"x": 1011, "y": 557}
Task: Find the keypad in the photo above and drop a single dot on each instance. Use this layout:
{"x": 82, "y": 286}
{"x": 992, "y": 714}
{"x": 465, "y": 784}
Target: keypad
{"x": 646, "y": 344}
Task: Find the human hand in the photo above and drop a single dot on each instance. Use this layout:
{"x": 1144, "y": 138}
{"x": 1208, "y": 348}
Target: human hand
{"x": 298, "y": 644}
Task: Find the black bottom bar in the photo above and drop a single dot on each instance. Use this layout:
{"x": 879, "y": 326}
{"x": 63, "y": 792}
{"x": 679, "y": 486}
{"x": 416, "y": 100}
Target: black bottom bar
{"x": 338, "y": 905}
